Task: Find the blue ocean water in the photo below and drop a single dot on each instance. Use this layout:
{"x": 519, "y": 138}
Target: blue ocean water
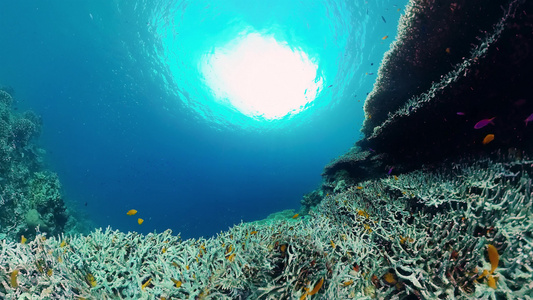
{"x": 129, "y": 123}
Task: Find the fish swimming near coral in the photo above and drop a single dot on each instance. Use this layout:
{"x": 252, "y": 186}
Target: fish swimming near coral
{"x": 131, "y": 212}
{"x": 385, "y": 37}
{"x": 489, "y": 138}
{"x": 140, "y": 221}
{"x": 484, "y": 123}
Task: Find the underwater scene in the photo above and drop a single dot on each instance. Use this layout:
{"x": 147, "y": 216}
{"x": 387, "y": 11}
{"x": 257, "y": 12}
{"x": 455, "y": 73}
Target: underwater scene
{"x": 281, "y": 149}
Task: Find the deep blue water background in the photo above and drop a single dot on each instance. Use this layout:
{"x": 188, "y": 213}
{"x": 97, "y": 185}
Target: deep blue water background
{"x": 121, "y": 135}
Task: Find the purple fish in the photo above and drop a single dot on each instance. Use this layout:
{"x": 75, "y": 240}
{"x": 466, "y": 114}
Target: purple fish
{"x": 460, "y": 113}
{"x": 390, "y": 171}
{"x": 529, "y": 119}
{"x": 484, "y": 123}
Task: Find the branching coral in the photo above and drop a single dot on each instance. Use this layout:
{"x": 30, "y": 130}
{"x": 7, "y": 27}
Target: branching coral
{"x": 424, "y": 233}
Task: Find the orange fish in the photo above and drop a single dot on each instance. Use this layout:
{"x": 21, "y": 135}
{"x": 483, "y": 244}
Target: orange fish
{"x": 295, "y": 216}
{"x": 131, "y": 212}
{"x": 489, "y": 138}
{"x": 385, "y": 37}
{"x": 140, "y": 221}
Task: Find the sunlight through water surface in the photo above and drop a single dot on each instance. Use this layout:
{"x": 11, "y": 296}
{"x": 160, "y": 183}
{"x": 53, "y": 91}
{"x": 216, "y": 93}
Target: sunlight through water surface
{"x": 261, "y": 78}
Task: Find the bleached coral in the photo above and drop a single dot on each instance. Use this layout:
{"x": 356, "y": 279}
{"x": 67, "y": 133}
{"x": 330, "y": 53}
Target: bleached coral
{"x": 420, "y": 233}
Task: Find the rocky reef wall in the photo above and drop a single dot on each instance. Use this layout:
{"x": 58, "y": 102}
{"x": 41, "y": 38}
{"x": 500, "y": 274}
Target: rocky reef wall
{"x": 30, "y": 196}
{"x": 454, "y": 63}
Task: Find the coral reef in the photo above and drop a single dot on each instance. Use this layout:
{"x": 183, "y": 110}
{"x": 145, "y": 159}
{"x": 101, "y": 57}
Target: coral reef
{"x": 29, "y": 196}
{"x": 423, "y": 234}
{"x": 454, "y": 223}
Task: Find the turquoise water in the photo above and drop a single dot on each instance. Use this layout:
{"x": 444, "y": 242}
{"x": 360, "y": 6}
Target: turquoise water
{"x": 129, "y": 120}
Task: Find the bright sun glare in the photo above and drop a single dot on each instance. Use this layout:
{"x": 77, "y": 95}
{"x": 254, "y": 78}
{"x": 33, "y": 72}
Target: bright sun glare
{"x": 261, "y": 78}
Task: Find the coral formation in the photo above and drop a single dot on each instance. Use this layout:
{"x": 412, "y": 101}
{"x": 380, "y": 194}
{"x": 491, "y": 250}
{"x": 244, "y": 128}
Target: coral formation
{"x": 382, "y": 225}
{"x": 436, "y": 94}
{"x": 427, "y": 234}
{"x": 29, "y": 196}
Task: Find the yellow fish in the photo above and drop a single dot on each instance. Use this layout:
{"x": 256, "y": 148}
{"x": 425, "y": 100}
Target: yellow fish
{"x": 494, "y": 258}
{"x": 295, "y": 216}
{"x": 140, "y": 221}
{"x": 385, "y": 37}
{"x": 14, "y": 275}
{"x": 131, "y": 212}
{"x": 176, "y": 282}
{"x": 489, "y": 138}
{"x": 23, "y": 240}
{"x": 146, "y": 283}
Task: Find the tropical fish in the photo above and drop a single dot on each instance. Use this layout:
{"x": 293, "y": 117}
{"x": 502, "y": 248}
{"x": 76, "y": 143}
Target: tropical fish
{"x": 90, "y": 279}
{"x": 484, "y": 123}
{"x": 131, "y": 212}
{"x": 176, "y": 282}
{"x": 489, "y": 138}
{"x": 23, "y": 240}
{"x": 448, "y": 50}
{"x": 317, "y": 287}
{"x": 140, "y": 221}
{"x": 383, "y": 19}
{"x": 494, "y": 257}
{"x": 460, "y": 113}
{"x": 390, "y": 170}
{"x": 529, "y": 119}
{"x": 385, "y": 37}
{"x": 491, "y": 282}
{"x": 295, "y": 216}
{"x": 14, "y": 274}
{"x": 347, "y": 283}
{"x": 146, "y": 283}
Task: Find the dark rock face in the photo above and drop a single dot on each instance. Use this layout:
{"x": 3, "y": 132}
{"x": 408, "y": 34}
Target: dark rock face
{"x": 454, "y": 64}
